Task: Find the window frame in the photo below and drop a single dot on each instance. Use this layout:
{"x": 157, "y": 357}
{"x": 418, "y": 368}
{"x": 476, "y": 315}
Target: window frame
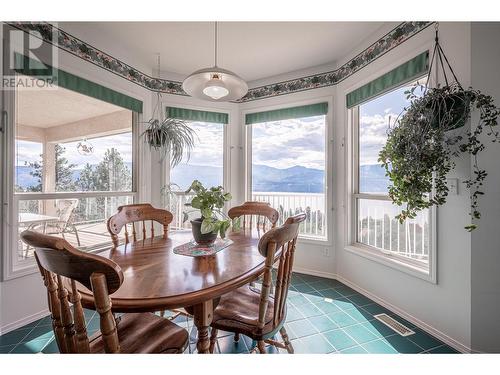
{"x": 401, "y": 263}
{"x": 226, "y": 163}
{"x": 13, "y": 267}
{"x": 329, "y": 164}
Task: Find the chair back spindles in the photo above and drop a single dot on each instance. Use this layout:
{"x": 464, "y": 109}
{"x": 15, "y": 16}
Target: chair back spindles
{"x": 280, "y": 240}
{"x": 66, "y": 317}
{"x": 81, "y": 338}
{"x": 258, "y": 213}
{"x": 103, "y": 307}
{"x": 58, "y": 260}
{"x": 136, "y": 213}
{"x": 54, "y": 306}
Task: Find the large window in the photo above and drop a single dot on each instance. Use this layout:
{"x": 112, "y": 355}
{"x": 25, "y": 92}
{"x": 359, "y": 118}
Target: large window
{"x": 74, "y": 164}
{"x": 288, "y": 162}
{"x": 374, "y": 224}
{"x": 205, "y": 162}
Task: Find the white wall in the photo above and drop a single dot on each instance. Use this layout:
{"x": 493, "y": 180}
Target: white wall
{"x": 444, "y": 308}
{"x": 486, "y": 239}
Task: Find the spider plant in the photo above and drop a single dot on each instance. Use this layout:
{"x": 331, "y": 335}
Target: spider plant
{"x": 169, "y": 136}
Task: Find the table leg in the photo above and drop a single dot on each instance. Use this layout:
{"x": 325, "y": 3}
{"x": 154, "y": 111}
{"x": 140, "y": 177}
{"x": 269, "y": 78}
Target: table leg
{"x": 203, "y": 314}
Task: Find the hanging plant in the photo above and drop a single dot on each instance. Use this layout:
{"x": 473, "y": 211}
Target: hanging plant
{"x": 427, "y": 137}
{"x": 169, "y": 136}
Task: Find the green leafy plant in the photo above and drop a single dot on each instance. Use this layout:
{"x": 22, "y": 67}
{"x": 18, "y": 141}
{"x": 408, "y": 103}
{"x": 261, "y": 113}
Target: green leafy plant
{"x": 170, "y": 136}
{"x": 424, "y": 141}
{"x": 210, "y": 203}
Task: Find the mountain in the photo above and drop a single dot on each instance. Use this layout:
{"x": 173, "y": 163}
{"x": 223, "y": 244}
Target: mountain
{"x": 372, "y": 179}
{"x": 296, "y": 179}
{"x": 24, "y": 179}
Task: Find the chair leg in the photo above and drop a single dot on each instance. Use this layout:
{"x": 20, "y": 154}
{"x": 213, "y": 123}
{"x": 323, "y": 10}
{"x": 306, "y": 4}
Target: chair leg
{"x": 236, "y": 337}
{"x": 213, "y": 339}
{"x": 261, "y": 346}
{"x": 286, "y": 340}
{"x": 77, "y": 236}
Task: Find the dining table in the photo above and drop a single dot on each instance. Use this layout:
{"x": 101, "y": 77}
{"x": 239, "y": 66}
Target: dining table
{"x": 156, "y": 278}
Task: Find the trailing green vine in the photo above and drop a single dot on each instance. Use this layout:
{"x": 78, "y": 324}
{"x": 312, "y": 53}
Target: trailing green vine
{"x": 424, "y": 141}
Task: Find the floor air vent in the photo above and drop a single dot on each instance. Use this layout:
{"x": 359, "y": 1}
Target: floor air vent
{"x": 394, "y": 325}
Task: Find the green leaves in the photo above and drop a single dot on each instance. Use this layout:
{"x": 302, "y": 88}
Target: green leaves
{"x": 210, "y": 203}
{"x": 420, "y": 148}
{"x": 170, "y": 136}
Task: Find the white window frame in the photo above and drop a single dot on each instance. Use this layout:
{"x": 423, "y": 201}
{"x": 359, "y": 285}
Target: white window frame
{"x": 226, "y": 163}
{"x": 401, "y": 263}
{"x": 329, "y": 164}
{"x": 13, "y": 267}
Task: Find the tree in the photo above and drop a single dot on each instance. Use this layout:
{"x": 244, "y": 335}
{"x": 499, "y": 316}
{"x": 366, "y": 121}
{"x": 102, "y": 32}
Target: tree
{"x": 37, "y": 172}
{"x": 112, "y": 174}
{"x": 88, "y": 179}
{"x": 64, "y": 170}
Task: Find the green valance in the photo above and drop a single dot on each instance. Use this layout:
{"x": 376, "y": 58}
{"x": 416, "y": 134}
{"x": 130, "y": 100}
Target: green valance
{"x": 194, "y": 115}
{"x": 404, "y": 73}
{"x": 287, "y": 113}
{"x": 25, "y": 65}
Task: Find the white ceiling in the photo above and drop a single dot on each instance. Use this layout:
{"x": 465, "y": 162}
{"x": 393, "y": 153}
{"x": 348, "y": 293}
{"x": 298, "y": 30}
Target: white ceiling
{"x": 58, "y": 106}
{"x": 254, "y": 50}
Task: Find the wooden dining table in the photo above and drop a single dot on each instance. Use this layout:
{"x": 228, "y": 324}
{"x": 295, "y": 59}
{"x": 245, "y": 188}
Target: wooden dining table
{"x": 155, "y": 278}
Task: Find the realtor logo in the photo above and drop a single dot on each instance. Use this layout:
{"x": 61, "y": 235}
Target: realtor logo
{"x": 31, "y": 62}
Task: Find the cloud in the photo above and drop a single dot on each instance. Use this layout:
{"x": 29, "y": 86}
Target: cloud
{"x": 287, "y": 143}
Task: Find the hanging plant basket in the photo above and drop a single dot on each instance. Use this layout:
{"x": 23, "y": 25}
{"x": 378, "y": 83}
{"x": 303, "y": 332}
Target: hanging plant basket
{"x": 169, "y": 136}
{"x": 427, "y": 137}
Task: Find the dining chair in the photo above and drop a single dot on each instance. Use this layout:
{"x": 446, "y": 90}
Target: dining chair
{"x": 129, "y": 215}
{"x": 65, "y": 224}
{"x": 136, "y": 213}
{"x": 61, "y": 266}
{"x": 260, "y": 315}
{"x": 258, "y": 213}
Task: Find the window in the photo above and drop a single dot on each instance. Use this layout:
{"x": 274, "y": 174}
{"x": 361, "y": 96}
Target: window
{"x": 73, "y": 165}
{"x": 374, "y": 224}
{"x": 205, "y": 163}
{"x": 288, "y": 161}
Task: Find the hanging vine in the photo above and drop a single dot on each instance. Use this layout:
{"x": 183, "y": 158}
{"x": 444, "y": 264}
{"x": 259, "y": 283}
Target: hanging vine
{"x": 427, "y": 136}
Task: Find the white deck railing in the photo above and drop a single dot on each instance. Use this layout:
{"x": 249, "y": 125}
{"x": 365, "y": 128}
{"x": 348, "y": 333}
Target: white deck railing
{"x": 287, "y": 204}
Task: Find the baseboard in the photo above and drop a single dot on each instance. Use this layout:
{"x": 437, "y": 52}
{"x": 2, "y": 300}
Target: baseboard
{"x": 420, "y": 324}
{"x": 307, "y": 271}
{"x": 22, "y": 322}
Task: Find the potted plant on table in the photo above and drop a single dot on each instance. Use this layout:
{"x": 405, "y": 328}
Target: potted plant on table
{"x": 213, "y": 220}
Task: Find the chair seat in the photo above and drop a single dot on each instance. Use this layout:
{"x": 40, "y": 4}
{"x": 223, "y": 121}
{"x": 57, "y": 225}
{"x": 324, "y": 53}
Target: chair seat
{"x": 238, "y": 311}
{"x": 146, "y": 333}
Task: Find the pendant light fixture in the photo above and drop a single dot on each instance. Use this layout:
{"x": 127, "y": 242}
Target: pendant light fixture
{"x": 215, "y": 84}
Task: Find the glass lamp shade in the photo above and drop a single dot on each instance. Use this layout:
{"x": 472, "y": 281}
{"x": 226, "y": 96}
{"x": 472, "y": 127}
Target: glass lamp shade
{"x": 215, "y": 84}
{"x": 215, "y": 88}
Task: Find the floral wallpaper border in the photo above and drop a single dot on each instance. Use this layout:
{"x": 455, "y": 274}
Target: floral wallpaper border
{"x": 77, "y": 47}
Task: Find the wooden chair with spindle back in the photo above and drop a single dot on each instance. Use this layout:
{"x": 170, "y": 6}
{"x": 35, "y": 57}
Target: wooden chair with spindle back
{"x": 258, "y": 314}
{"x": 136, "y": 213}
{"x": 61, "y": 266}
{"x": 259, "y": 213}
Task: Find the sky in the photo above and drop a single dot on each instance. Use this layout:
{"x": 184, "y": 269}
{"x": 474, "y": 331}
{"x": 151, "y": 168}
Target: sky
{"x": 287, "y": 143}
{"x": 209, "y": 144}
{"x": 27, "y": 151}
{"x": 374, "y": 119}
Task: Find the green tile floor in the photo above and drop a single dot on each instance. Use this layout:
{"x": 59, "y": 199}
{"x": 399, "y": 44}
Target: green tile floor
{"x": 324, "y": 316}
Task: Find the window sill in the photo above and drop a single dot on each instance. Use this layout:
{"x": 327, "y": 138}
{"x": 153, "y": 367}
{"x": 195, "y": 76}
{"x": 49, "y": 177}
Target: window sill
{"x": 394, "y": 262}
{"x": 319, "y": 241}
